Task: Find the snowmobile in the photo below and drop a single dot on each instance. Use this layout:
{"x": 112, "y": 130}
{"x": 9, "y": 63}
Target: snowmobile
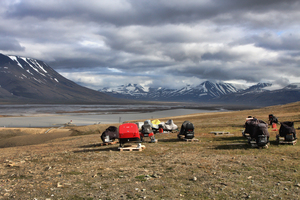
{"x": 272, "y": 119}
{"x": 247, "y": 135}
{"x": 169, "y": 126}
{"x": 147, "y": 131}
{"x": 186, "y": 131}
{"x": 110, "y": 134}
{"x": 258, "y": 133}
{"x": 155, "y": 125}
{"x": 287, "y": 133}
{"x": 129, "y": 132}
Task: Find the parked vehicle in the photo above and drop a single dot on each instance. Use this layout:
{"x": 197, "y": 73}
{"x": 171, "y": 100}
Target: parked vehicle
{"x": 147, "y": 131}
{"x": 128, "y": 132}
{"x": 258, "y": 132}
{"x": 288, "y": 132}
{"x": 110, "y": 134}
{"x": 186, "y": 130}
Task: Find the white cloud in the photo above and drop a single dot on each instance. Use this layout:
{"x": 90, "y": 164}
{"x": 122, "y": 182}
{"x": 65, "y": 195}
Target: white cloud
{"x": 114, "y": 70}
{"x": 159, "y": 43}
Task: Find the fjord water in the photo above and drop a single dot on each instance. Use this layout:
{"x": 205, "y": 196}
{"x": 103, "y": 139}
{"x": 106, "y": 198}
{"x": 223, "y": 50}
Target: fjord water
{"x": 58, "y": 115}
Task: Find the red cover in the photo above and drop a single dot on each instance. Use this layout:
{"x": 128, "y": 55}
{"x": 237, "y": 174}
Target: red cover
{"x": 128, "y": 130}
{"x": 148, "y": 135}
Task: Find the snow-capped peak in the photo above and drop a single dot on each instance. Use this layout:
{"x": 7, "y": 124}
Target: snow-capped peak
{"x": 205, "y": 90}
{"x": 33, "y": 69}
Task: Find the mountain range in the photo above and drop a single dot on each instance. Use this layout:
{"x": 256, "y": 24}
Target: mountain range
{"x": 26, "y": 80}
{"x": 205, "y": 91}
{"x": 213, "y": 92}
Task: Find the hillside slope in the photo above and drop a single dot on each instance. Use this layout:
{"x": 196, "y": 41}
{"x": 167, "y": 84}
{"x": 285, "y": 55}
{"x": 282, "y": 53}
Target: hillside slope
{"x": 27, "y": 80}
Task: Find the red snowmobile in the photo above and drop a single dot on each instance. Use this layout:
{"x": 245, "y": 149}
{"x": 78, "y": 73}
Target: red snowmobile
{"x": 128, "y": 132}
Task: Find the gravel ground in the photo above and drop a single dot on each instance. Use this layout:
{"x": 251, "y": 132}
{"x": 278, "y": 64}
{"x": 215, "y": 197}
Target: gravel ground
{"x": 78, "y": 167}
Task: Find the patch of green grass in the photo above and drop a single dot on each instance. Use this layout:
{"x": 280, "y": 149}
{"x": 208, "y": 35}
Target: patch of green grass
{"x": 247, "y": 168}
{"x": 73, "y": 173}
{"x": 104, "y": 186}
{"x": 35, "y": 160}
{"x": 144, "y": 166}
{"x": 129, "y": 196}
{"x": 157, "y": 187}
{"x": 21, "y": 177}
{"x": 141, "y": 178}
{"x": 170, "y": 168}
{"x": 88, "y": 184}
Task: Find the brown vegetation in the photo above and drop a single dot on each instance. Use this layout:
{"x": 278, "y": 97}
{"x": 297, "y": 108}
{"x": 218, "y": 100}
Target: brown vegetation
{"x": 70, "y": 164}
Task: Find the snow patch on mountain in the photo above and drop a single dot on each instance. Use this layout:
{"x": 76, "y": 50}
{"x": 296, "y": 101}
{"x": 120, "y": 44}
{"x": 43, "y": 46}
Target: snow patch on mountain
{"x": 14, "y": 58}
{"x": 26, "y": 80}
{"x": 35, "y": 69}
{"x": 205, "y": 90}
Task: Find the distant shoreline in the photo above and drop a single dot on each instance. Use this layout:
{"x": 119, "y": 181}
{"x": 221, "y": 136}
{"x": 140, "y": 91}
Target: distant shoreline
{"x": 28, "y": 110}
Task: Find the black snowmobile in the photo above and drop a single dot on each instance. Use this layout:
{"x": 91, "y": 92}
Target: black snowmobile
{"x": 110, "y": 134}
{"x": 258, "y": 133}
{"x": 287, "y": 133}
{"x": 272, "y": 119}
{"x": 186, "y": 131}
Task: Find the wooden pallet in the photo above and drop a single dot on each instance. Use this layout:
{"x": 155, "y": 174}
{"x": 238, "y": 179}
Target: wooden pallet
{"x": 190, "y": 140}
{"x": 221, "y": 133}
{"x": 253, "y": 144}
{"x": 287, "y": 142}
{"x": 132, "y": 148}
{"x": 181, "y": 137}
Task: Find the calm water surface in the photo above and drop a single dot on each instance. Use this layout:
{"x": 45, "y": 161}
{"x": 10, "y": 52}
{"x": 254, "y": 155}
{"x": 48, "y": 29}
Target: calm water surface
{"x": 47, "y": 115}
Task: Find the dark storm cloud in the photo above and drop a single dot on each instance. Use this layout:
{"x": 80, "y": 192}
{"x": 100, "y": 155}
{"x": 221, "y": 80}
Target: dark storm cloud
{"x": 10, "y": 44}
{"x": 290, "y": 41}
{"x": 225, "y": 56}
{"x": 143, "y": 12}
{"x": 186, "y": 41}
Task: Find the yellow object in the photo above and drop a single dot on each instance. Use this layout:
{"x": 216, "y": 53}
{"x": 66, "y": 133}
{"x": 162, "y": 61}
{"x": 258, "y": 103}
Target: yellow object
{"x": 156, "y": 121}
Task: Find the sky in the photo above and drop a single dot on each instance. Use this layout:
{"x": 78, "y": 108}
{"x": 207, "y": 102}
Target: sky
{"x": 157, "y": 43}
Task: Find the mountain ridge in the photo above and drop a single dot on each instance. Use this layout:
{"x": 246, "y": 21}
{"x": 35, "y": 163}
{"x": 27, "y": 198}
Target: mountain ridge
{"x": 28, "y": 80}
{"x": 217, "y": 92}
